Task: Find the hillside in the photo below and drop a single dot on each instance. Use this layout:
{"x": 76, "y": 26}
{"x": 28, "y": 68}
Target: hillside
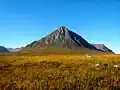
{"x": 3, "y": 49}
{"x": 62, "y": 40}
{"x": 15, "y": 49}
{"x": 103, "y": 48}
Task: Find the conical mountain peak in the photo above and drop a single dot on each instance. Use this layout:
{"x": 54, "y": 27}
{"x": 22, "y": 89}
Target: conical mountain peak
{"x": 62, "y": 38}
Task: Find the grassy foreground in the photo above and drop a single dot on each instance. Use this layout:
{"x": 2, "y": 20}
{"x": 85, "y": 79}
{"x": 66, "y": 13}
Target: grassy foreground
{"x": 60, "y": 72}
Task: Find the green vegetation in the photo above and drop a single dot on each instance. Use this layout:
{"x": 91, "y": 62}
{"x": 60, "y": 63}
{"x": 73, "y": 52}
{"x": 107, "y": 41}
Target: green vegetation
{"x": 59, "y": 72}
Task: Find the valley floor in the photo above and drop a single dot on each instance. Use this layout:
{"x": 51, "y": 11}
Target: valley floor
{"x": 60, "y": 72}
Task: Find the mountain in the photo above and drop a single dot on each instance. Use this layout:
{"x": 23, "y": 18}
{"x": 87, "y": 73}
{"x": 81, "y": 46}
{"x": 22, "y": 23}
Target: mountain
{"x": 3, "y": 49}
{"x": 103, "y": 48}
{"x": 62, "y": 40}
{"x": 15, "y": 49}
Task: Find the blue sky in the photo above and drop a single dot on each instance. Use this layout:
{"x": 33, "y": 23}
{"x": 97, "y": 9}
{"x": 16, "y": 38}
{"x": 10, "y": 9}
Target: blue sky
{"x": 23, "y": 21}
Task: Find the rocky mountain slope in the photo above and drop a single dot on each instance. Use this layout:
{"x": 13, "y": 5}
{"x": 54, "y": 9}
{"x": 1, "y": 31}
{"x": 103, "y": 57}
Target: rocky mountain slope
{"x": 103, "y": 48}
{"x": 62, "y": 40}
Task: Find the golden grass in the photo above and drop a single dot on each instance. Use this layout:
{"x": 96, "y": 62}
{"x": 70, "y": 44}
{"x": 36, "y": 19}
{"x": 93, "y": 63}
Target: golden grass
{"x": 59, "y": 72}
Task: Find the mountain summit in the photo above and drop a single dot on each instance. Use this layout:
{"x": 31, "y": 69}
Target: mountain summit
{"x": 62, "y": 40}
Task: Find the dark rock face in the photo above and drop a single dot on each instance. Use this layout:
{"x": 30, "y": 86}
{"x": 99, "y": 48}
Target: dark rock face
{"x": 3, "y": 49}
{"x": 103, "y": 48}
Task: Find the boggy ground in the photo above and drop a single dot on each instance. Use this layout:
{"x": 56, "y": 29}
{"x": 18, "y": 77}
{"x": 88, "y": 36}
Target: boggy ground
{"x": 60, "y": 72}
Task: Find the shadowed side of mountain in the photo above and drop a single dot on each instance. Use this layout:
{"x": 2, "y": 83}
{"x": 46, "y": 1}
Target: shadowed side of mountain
{"x": 3, "y": 49}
